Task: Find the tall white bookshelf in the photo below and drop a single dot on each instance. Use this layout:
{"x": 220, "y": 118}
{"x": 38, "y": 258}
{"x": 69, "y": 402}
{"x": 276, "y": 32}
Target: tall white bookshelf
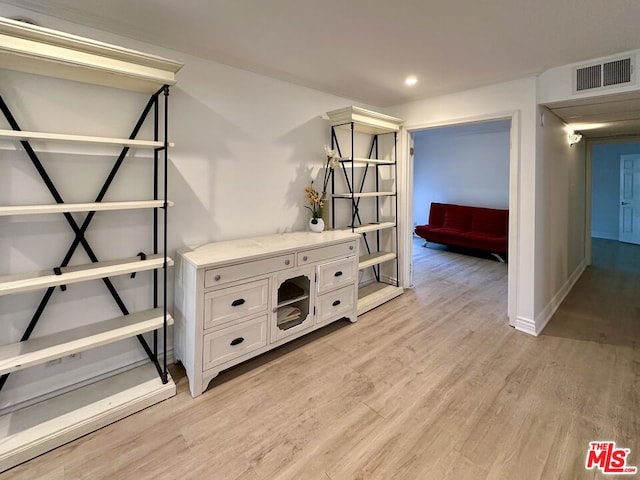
{"x": 367, "y": 143}
{"x": 59, "y": 418}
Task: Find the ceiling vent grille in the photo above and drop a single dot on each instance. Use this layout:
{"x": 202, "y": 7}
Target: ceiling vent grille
{"x": 616, "y": 72}
{"x": 602, "y": 75}
{"x": 588, "y": 77}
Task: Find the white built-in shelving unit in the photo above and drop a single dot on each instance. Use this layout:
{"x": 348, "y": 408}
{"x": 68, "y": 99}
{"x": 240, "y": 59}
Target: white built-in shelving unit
{"x": 37, "y": 428}
{"x": 359, "y": 181}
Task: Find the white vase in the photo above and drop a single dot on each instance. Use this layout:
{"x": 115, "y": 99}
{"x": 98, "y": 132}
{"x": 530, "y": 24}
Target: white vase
{"x": 316, "y": 227}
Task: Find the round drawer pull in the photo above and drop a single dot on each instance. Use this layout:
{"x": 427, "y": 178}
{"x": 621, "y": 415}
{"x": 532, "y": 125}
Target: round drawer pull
{"x": 336, "y": 303}
{"x": 305, "y": 258}
{"x": 236, "y": 341}
{"x": 238, "y": 302}
{"x": 216, "y": 278}
{"x": 338, "y": 273}
{"x": 350, "y": 247}
{"x": 287, "y": 262}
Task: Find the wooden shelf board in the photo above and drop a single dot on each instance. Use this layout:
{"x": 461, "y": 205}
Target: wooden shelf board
{"x": 63, "y": 137}
{"x": 284, "y": 303}
{"x": 375, "y": 258}
{"x": 28, "y": 282}
{"x": 32, "y": 352}
{"x": 34, "y": 430}
{"x": 372, "y": 227}
{"x": 368, "y": 160}
{"x": 80, "y": 207}
{"x": 363, "y": 194}
{"x": 375, "y": 294}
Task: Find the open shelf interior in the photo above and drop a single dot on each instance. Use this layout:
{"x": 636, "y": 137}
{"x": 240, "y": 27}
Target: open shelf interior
{"x": 33, "y": 430}
{"x": 375, "y": 294}
{"x": 375, "y": 258}
{"x": 293, "y": 301}
{"x": 35, "y": 351}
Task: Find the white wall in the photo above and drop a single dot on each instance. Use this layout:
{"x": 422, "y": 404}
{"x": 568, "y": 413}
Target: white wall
{"x": 517, "y": 99}
{"x": 605, "y": 184}
{"x": 246, "y": 146}
{"x": 560, "y": 216}
{"x": 465, "y": 165}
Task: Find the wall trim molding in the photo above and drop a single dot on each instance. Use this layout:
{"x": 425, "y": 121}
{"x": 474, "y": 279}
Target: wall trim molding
{"x": 535, "y": 327}
{"x": 605, "y": 235}
{"x": 543, "y": 318}
{"x": 526, "y": 325}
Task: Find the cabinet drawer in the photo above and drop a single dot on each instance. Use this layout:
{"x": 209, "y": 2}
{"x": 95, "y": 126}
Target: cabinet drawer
{"x": 336, "y": 274}
{"x": 235, "y": 341}
{"x": 219, "y": 275}
{"x": 228, "y": 304}
{"x": 335, "y": 305}
{"x": 326, "y": 253}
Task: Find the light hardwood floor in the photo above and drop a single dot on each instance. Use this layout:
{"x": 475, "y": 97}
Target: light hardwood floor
{"x": 432, "y": 385}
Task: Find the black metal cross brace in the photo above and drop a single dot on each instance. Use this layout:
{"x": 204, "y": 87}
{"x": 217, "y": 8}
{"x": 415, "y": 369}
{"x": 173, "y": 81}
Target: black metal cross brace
{"x": 355, "y": 214}
{"x": 80, "y": 231}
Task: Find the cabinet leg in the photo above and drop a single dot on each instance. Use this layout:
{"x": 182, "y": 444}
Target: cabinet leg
{"x": 206, "y": 379}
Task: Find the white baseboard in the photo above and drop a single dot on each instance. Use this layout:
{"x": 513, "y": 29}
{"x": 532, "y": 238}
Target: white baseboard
{"x": 526, "y": 325}
{"x": 534, "y": 327}
{"x": 605, "y": 235}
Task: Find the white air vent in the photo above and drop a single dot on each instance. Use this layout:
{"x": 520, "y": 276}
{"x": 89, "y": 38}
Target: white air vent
{"x": 602, "y": 75}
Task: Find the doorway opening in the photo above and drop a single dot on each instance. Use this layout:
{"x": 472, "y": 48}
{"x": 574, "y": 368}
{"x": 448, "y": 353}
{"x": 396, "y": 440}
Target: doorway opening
{"x": 614, "y": 233}
{"x": 469, "y": 164}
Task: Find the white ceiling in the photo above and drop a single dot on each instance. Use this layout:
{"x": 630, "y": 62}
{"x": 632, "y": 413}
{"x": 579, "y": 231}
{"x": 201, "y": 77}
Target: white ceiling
{"x": 363, "y": 49}
{"x": 606, "y": 116}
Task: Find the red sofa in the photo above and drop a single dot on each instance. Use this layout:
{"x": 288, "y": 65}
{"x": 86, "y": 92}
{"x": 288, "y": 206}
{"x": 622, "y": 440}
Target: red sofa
{"x": 470, "y": 227}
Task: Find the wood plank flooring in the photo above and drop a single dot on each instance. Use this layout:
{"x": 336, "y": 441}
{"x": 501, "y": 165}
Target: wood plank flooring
{"x": 432, "y": 385}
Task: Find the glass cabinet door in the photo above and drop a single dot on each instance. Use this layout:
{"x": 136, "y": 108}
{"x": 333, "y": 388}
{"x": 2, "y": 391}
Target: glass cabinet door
{"x": 293, "y": 305}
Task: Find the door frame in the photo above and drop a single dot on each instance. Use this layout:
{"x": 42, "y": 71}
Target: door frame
{"x": 405, "y": 199}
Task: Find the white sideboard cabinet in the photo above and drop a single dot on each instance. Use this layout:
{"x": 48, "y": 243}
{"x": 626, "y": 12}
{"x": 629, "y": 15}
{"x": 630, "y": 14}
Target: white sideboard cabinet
{"x": 237, "y": 299}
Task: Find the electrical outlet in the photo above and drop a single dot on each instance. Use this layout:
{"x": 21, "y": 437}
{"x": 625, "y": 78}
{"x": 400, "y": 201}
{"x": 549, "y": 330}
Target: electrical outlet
{"x": 54, "y": 362}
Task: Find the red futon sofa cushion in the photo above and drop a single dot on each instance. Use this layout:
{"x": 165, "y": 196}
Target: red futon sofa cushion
{"x": 464, "y": 226}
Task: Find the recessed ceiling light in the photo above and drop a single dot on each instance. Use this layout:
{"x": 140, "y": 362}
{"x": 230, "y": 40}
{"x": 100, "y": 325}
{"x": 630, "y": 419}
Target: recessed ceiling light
{"x": 410, "y": 81}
